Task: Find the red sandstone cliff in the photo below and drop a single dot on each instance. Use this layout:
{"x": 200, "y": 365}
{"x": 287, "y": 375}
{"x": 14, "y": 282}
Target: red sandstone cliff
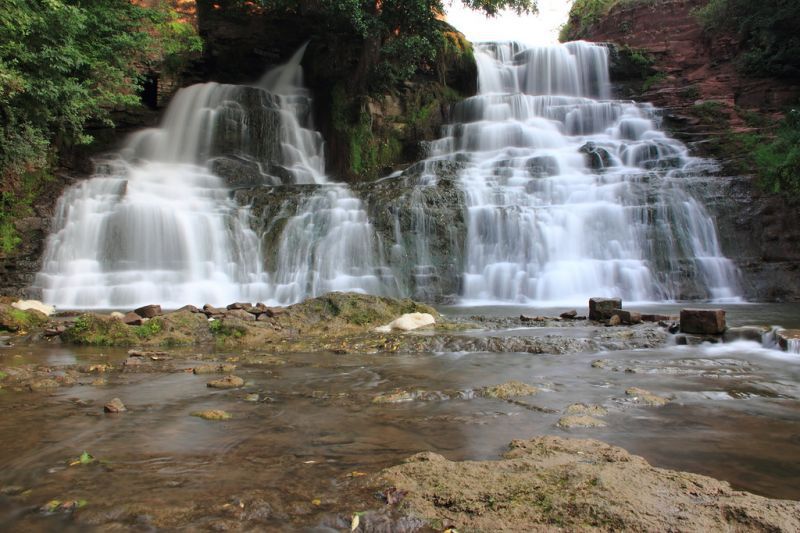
{"x": 694, "y": 66}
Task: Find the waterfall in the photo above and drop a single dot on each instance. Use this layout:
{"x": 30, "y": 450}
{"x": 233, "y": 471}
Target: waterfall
{"x": 328, "y": 244}
{"x": 155, "y": 225}
{"x": 571, "y": 194}
{"x": 542, "y": 189}
{"x": 158, "y": 224}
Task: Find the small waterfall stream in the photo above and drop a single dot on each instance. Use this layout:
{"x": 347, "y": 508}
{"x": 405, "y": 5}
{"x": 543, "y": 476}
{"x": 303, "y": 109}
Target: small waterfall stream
{"x": 543, "y": 188}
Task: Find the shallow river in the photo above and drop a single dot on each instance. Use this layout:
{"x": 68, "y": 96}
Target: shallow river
{"x": 286, "y": 458}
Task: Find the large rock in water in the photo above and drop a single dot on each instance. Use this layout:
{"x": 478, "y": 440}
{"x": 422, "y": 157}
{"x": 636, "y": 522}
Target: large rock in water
{"x": 597, "y": 158}
{"x": 703, "y": 321}
{"x": 603, "y": 308}
{"x": 580, "y": 485}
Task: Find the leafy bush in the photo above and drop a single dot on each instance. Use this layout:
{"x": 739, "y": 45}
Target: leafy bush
{"x": 778, "y": 160}
{"x": 766, "y": 30}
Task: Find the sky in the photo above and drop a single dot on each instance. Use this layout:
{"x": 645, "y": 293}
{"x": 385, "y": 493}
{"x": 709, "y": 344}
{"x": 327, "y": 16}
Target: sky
{"x": 541, "y": 28}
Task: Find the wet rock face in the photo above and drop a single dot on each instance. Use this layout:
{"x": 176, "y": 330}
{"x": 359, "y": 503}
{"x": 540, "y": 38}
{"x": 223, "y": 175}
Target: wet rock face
{"x": 420, "y": 227}
{"x": 759, "y": 232}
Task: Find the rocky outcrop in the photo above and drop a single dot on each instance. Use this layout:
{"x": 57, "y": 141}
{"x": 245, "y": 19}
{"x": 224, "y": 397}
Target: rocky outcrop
{"x": 688, "y": 65}
{"x": 554, "y": 483}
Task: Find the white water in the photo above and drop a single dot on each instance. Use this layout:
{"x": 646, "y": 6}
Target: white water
{"x": 542, "y": 225}
{"x": 156, "y": 226}
{"x": 329, "y": 243}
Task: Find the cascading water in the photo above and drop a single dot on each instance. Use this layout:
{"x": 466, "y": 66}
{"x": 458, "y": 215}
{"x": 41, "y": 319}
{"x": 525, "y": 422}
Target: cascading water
{"x": 565, "y": 194}
{"x": 328, "y": 244}
{"x": 570, "y": 194}
{"x": 158, "y": 224}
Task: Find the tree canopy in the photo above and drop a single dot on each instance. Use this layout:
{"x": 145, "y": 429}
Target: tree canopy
{"x": 398, "y": 35}
{"x": 63, "y": 63}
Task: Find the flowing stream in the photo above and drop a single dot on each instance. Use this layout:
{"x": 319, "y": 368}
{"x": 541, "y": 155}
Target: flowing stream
{"x": 564, "y": 194}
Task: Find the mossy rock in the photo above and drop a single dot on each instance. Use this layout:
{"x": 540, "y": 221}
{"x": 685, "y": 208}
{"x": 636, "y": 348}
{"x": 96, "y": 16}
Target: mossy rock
{"x": 101, "y": 330}
{"x": 17, "y": 320}
{"x": 349, "y": 310}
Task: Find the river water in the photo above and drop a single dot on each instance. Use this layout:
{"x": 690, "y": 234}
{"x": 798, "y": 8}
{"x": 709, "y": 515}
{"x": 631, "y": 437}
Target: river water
{"x": 286, "y": 457}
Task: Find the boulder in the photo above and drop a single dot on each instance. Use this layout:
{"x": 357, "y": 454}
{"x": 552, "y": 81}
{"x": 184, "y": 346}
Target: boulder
{"x": 210, "y": 310}
{"x": 149, "y": 311}
{"x": 36, "y": 305}
{"x": 272, "y": 312}
{"x": 603, "y": 308}
{"x": 628, "y": 317}
{"x": 241, "y": 314}
{"x": 132, "y": 319}
{"x": 238, "y": 305}
{"x": 569, "y": 314}
{"x": 615, "y": 320}
{"x": 190, "y": 308}
{"x": 408, "y": 322}
{"x": 703, "y": 321}
{"x": 256, "y": 309}
{"x": 117, "y": 314}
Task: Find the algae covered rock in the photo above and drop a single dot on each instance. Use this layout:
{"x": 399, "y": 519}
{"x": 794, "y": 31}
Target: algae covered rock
{"x": 19, "y": 320}
{"x": 552, "y": 483}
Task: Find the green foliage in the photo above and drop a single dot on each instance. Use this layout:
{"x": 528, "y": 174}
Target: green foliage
{"x": 99, "y": 331}
{"x": 18, "y": 203}
{"x": 766, "y": 30}
{"x": 778, "y": 159}
{"x": 399, "y": 36}
{"x": 152, "y": 327}
{"x": 582, "y": 15}
{"x": 64, "y": 62}
{"x": 652, "y": 81}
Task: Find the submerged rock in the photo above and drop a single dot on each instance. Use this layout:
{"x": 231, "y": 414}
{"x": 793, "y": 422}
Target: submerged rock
{"x": 508, "y": 390}
{"x": 580, "y": 421}
{"x": 214, "y": 369}
{"x": 228, "y": 382}
{"x": 584, "y": 409}
{"x": 114, "y": 406}
{"x": 646, "y": 397}
{"x": 213, "y": 414}
{"x": 577, "y": 485}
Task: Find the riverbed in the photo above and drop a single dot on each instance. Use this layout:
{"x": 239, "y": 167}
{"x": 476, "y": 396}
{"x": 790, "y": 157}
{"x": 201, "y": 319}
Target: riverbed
{"x": 305, "y": 426}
